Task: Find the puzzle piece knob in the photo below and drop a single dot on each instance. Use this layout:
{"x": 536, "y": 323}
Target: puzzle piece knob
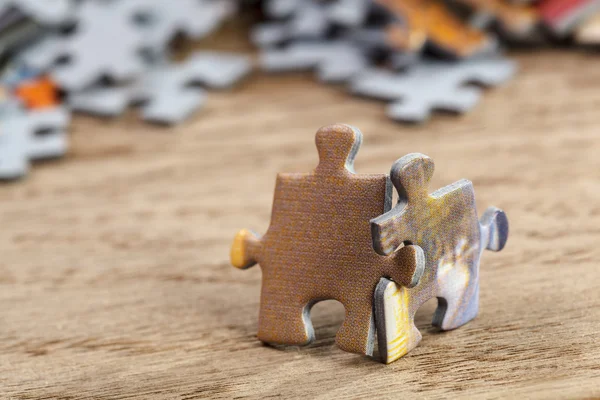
{"x": 244, "y": 248}
{"x": 410, "y": 175}
{"x": 337, "y": 145}
{"x": 494, "y": 226}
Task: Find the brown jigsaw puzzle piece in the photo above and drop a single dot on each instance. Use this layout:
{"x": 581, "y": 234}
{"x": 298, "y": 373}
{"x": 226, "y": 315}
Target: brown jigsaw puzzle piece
{"x": 318, "y": 247}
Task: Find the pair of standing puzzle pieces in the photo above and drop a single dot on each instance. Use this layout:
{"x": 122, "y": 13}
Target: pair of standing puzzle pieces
{"x": 33, "y": 135}
{"x": 319, "y": 246}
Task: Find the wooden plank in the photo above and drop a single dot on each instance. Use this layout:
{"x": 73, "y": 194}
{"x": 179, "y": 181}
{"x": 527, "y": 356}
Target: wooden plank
{"x": 114, "y": 275}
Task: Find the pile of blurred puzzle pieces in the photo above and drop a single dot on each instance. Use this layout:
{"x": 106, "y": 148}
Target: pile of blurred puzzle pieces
{"x": 102, "y": 56}
{"x": 418, "y": 55}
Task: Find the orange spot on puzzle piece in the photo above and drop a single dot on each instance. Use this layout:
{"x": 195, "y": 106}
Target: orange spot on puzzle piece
{"x": 38, "y": 93}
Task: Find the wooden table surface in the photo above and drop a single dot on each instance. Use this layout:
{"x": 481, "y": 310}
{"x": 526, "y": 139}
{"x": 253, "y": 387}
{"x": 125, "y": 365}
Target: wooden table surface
{"x": 114, "y": 274}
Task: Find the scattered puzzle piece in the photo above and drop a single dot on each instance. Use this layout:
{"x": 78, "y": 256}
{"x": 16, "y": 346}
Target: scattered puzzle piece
{"x": 169, "y": 92}
{"x": 432, "y": 85}
{"x": 318, "y": 247}
{"x": 33, "y": 135}
{"x": 445, "y": 225}
{"x": 588, "y": 32}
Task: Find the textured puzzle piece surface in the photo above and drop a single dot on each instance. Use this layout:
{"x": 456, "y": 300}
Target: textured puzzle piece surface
{"x": 318, "y": 247}
{"x": 432, "y": 85}
{"x": 21, "y": 141}
{"x": 445, "y": 225}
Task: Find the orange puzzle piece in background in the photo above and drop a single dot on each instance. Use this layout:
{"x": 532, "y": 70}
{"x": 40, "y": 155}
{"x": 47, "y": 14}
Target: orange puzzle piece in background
{"x": 38, "y": 93}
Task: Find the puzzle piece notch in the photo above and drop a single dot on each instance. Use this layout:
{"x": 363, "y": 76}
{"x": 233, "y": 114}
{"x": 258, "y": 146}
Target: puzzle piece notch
{"x": 308, "y": 256}
{"x": 431, "y": 85}
{"x": 445, "y": 225}
{"x": 20, "y": 141}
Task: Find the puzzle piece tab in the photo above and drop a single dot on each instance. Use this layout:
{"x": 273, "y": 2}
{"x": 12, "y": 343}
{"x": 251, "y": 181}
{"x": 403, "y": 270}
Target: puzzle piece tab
{"x": 318, "y": 247}
{"x": 432, "y": 85}
{"x": 445, "y": 225}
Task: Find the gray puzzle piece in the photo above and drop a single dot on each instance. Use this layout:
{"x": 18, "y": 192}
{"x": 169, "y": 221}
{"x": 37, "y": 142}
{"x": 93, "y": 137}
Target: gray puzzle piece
{"x": 111, "y": 36}
{"x": 335, "y": 61}
{"x": 169, "y": 92}
{"x": 106, "y": 42}
{"x": 20, "y": 142}
{"x": 432, "y": 85}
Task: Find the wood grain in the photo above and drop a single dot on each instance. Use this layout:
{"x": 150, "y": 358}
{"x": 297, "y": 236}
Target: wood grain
{"x": 114, "y": 275}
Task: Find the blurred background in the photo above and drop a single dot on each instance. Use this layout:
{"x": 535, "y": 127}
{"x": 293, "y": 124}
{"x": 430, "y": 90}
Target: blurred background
{"x": 166, "y": 59}
{"x": 137, "y": 136}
